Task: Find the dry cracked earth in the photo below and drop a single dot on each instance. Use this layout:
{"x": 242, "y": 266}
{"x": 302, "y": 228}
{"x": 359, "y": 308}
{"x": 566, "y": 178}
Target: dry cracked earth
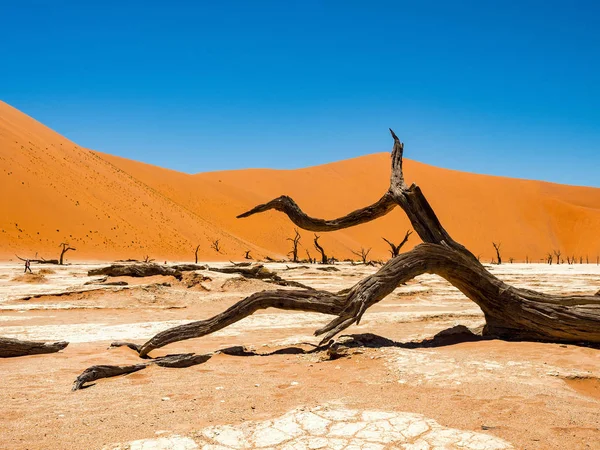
{"x": 391, "y": 384}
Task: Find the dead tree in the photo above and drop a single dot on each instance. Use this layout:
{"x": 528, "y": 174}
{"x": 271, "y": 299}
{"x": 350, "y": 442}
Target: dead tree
{"x": 14, "y": 347}
{"x": 511, "y": 260}
{"x": 363, "y": 254}
{"x": 395, "y": 249}
{"x": 324, "y": 259}
{"x": 549, "y": 258}
{"x": 310, "y": 260}
{"x": 147, "y": 259}
{"x": 510, "y": 313}
{"x": 295, "y": 240}
{"x": 247, "y": 255}
{"x": 39, "y": 261}
{"x": 65, "y": 249}
{"x": 196, "y": 254}
{"x": 215, "y": 245}
{"x": 497, "y": 247}
{"x": 557, "y": 253}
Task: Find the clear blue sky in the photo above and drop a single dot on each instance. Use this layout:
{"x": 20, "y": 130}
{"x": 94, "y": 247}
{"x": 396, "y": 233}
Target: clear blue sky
{"x": 499, "y": 87}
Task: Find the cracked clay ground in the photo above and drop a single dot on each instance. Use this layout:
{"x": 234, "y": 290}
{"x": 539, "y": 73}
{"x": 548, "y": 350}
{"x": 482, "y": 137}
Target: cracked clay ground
{"x": 405, "y": 395}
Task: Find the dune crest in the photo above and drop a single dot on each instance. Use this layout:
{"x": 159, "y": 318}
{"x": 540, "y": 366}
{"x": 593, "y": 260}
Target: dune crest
{"x": 109, "y": 207}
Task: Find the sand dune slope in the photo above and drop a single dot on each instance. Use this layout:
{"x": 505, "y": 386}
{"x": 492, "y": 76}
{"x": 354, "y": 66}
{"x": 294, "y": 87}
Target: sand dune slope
{"x": 109, "y": 207}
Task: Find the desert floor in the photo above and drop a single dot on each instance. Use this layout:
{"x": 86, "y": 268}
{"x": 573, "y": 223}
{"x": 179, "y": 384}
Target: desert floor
{"x": 409, "y": 392}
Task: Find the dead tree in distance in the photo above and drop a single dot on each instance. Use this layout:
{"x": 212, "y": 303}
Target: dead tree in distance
{"x": 497, "y": 247}
{"x": 215, "y": 245}
{"x": 363, "y": 254}
{"x": 395, "y": 249}
{"x": 324, "y": 259}
{"x": 65, "y": 249}
{"x": 310, "y": 260}
{"x": 247, "y": 255}
{"x": 196, "y": 254}
{"x": 295, "y": 240}
{"x": 510, "y": 313}
{"x": 557, "y": 253}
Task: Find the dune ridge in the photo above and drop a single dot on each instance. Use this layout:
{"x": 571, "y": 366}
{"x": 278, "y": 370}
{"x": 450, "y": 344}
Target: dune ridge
{"x": 110, "y": 208}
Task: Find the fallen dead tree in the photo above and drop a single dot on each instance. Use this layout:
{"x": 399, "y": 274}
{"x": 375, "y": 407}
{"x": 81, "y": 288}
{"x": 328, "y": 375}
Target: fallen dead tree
{"x": 137, "y": 270}
{"x": 510, "y": 313}
{"x": 10, "y": 348}
{"x": 258, "y": 272}
{"x": 39, "y": 261}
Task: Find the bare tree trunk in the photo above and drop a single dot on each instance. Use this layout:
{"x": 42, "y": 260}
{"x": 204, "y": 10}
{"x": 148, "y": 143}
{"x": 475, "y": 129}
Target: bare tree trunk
{"x": 324, "y": 259}
{"x": 196, "y": 254}
{"x": 247, "y": 255}
{"x": 557, "y": 253}
{"x": 65, "y": 249}
{"x": 497, "y": 247}
{"x": 363, "y": 254}
{"x": 14, "y": 347}
{"x": 295, "y": 240}
{"x": 510, "y": 313}
{"x": 395, "y": 249}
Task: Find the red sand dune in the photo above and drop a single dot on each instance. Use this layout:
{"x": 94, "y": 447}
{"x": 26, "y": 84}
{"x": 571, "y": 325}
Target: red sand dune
{"x": 108, "y": 207}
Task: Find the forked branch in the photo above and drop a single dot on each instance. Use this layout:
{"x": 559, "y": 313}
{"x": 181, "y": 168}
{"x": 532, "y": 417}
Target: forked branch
{"x": 510, "y": 313}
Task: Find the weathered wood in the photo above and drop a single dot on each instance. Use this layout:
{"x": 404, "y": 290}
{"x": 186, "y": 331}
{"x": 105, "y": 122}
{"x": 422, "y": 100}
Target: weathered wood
{"x": 10, "y": 348}
{"x": 65, "y": 249}
{"x": 497, "y": 248}
{"x": 139, "y": 270}
{"x": 510, "y": 313}
{"x": 395, "y": 249}
{"x": 295, "y": 241}
{"x": 320, "y": 249}
{"x": 259, "y": 272}
{"x": 39, "y": 261}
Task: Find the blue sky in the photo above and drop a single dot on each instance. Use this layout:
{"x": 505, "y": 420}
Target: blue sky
{"x": 505, "y": 88}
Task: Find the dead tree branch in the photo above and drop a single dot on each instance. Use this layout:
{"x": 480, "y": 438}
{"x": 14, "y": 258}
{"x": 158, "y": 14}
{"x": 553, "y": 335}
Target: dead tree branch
{"x": 395, "y": 249}
{"x": 510, "y": 313}
{"x": 320, "y": 249}
{"x": 295, "y": 240}
{"x": 14, "y": 347}
{"x": 497, "y": 248}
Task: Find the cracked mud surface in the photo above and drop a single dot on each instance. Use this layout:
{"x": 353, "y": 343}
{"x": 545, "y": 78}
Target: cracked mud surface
{"x": 521, "y": 395}
{"x": 329, "y": 428}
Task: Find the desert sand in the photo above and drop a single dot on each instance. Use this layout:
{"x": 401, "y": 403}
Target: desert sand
{"x": 410, "y": 376}
{"x": 407, "y": 392}
{"x": 108, "y": 207}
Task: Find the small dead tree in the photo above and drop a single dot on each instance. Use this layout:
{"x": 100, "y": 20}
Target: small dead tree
{"x": 497, "y": 247}
{"x": 65, "y": 249}
{"x": 324, "y": 259}
{"x": 247, "y": 255}
{"x": 310, "y": 260}
{"x": 557, "y": 253}
{"x": 215, "y": 245}
{"x": 147, "y": 259}
{"x": 395, "y": 249}
{"x": 549, "y": 258}
{"x": 196, "y": 253}
{"x": 511, "y": 260}
{"x": 362, "y": 254}
{"x": 295, "y": 240}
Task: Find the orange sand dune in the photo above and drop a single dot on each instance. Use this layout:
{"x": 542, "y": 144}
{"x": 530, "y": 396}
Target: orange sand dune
{"x": 108, "y": 207}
